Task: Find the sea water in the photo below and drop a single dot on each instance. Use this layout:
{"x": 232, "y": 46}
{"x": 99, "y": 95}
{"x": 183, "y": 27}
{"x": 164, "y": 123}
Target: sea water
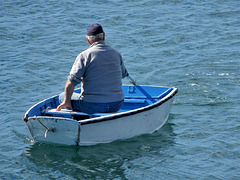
{"x": 191, "y": 45}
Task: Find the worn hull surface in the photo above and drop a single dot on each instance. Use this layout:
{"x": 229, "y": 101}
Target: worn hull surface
{"x": 146, "y": 109}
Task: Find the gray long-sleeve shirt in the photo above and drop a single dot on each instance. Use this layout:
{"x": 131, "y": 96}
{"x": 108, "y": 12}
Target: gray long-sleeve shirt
{"x": 100, "y": 68}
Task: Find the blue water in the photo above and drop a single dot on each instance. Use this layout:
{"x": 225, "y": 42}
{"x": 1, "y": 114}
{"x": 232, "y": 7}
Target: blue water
{"x": 191, "y": 45}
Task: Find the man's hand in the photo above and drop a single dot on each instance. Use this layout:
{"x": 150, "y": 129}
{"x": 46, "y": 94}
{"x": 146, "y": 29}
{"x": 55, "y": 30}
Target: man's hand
{"x": 63, "y": 105}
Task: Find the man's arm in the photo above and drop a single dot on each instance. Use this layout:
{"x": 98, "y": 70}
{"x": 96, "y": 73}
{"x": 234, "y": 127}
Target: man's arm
{"x": 123, "y": 68}
{"x": 69, "y": 88}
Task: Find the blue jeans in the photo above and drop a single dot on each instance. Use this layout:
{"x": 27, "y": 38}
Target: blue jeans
{"x": 89, "y": 107}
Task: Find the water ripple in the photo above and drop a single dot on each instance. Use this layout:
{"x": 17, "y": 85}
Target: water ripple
{"x": 190, "y": 45}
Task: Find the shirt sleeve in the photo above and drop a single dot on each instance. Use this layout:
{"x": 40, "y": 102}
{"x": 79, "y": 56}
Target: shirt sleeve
{"x": 124, "y": 70}
{"x": 77, "y": 71}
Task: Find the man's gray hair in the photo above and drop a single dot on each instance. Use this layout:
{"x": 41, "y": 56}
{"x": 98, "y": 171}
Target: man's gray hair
{"x": 98, "y": 37}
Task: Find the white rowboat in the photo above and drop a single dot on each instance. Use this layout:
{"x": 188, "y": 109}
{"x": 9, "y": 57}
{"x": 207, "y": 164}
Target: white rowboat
{"x": 145, "y": 110}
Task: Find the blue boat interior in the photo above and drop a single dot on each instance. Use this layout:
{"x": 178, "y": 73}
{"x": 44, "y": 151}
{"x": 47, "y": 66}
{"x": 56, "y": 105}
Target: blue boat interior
{"x": 135, "y": 97}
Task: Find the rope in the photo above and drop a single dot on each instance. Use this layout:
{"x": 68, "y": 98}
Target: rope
{"x": 132, "y": 81}
{"x": 47, "y": 129}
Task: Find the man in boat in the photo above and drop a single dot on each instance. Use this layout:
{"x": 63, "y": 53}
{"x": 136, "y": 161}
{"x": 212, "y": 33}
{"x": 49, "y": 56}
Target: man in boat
{"x": 100, "y": 69}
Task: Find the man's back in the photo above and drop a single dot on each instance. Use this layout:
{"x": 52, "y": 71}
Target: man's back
{"x": 102, "y": 72}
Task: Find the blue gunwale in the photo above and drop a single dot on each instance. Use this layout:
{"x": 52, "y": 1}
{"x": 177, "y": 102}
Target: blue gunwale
{"x": 137, "y": 99}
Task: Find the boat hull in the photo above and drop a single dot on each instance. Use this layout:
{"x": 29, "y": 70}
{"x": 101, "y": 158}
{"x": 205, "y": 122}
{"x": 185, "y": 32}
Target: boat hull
{"x": 54, "y": 130}
{"x": 125, "y": 127}
{"x": 145, "y": 110}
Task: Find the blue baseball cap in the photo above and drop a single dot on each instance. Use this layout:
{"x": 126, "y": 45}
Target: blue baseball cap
{"x": 94, "y": 29}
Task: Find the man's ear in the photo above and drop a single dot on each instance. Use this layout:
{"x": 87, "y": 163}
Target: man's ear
{"x": 104, "y": 36}
{"x": 88, "y": 40}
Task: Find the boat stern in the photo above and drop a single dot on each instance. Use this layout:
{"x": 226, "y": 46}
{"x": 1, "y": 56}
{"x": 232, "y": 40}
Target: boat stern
{"x": 54, "y": 130}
